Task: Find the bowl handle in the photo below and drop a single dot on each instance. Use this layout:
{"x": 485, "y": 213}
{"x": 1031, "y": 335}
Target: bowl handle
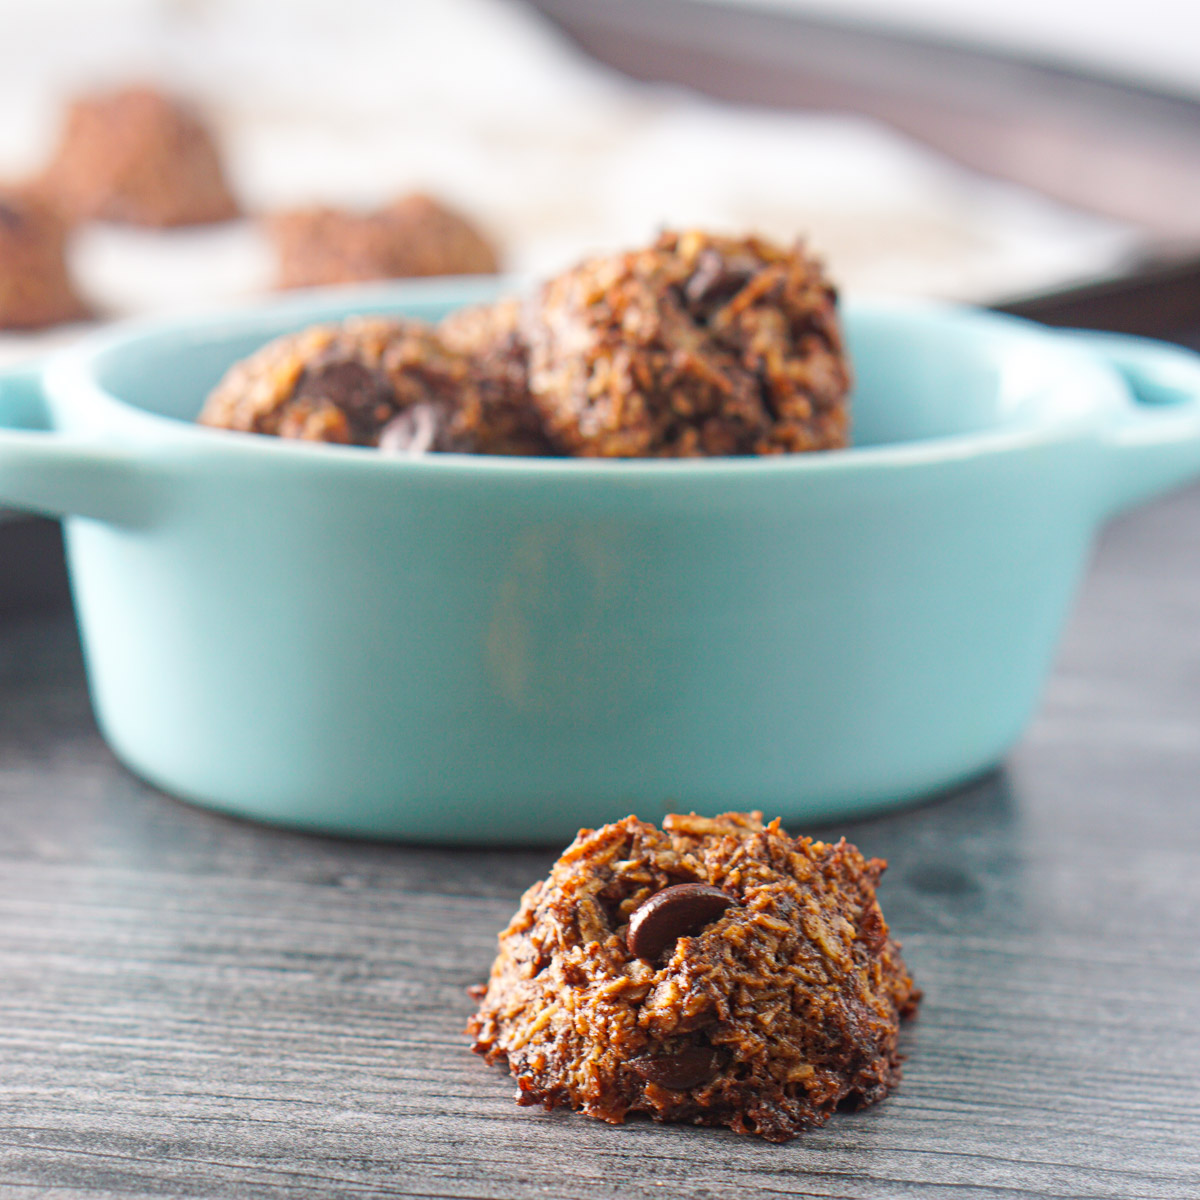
{"x": 1154, "y": 445}
{"x": 59, "y": 475}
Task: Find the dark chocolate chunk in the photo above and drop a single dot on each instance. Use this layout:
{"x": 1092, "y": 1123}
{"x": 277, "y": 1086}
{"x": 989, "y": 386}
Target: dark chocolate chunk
{"x": 715, "y": 280}
{"x": 672, "y": 913}
{"x": 686, "y": 1068}
{"x": 346, "y": 384}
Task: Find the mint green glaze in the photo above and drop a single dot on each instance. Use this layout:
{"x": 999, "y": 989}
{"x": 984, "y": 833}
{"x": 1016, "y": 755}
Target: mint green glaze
{"x": 504, "y": 650}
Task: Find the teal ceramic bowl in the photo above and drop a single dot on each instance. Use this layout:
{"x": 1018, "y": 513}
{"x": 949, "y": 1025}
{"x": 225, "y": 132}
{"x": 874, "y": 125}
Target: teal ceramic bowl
{"x": 498, "y": 650}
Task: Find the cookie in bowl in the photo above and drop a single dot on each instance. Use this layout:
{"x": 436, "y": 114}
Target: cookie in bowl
{"x": 696, "y": 345}
{"x": 491, "y": 336}
{"x": 369, "y": 381}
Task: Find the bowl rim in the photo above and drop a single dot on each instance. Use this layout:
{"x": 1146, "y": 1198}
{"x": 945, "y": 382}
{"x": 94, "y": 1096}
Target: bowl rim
{"x": 71, "y": 380}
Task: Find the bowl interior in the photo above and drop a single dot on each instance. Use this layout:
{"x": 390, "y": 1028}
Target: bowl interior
{"x": 921, "y": 371}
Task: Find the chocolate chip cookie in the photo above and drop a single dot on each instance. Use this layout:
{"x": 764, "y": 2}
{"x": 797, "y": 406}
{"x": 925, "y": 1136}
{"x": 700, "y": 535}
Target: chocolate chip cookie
{"x": 716, "y": 972}
{"x": 393, "y": 384}
{"x": 140, "y": 157}
{"x": 697, "y": 345}
{"x": 35, "y": 287}
{"x": 490, "y": 336}
{"x": 414, "y": 236}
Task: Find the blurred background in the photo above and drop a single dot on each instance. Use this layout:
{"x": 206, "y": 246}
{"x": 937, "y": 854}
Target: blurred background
{"x": 963, "y": 149}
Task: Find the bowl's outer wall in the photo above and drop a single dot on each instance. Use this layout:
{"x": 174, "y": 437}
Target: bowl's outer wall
{"x": 508, "y": 656}
{"x": 488, "y": 664}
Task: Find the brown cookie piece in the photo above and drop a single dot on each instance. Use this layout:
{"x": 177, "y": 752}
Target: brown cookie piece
{"x": 369, "y": 381}
{"x": 35, "y": 286}
{"x": 698, "y": 345}
{"x": 345, "y": 383}
{"x": 773, "y": 991}
{"x": 414, "y": 236}
{"x": 140, "y": 157}
{"x": 489, "y": 335}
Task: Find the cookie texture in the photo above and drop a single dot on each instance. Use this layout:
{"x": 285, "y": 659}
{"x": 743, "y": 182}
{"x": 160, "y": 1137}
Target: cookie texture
{"x": 762, "y": 991}
{"x": 414, "y": 236}
{"x": 140, "y": 157}
{"x": 35, "y": 286}
{"x": 490, "y": 335}
{"x": 365, "y": 382}
{"x": 697, "y": 345}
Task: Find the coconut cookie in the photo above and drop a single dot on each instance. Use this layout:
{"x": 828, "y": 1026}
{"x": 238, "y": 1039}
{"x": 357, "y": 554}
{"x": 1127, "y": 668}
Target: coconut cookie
{"x": 35, "y": 285}
{"x": 716, "y": 971}
{"x": 369, "y": 381}
{"x": 141, "y": 157}
{"x": 696, "y": 345}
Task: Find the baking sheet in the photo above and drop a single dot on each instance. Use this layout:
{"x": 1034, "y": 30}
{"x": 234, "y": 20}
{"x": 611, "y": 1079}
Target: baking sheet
{"x": 483, "y": 102}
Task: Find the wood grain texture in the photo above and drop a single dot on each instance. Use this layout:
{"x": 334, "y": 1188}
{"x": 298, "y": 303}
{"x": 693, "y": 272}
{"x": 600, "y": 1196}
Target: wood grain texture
{"x": 192, "y": 1006}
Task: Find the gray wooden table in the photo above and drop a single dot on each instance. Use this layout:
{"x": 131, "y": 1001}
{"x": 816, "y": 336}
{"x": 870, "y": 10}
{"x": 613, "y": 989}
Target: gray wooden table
{"x": 194, "y": 1006}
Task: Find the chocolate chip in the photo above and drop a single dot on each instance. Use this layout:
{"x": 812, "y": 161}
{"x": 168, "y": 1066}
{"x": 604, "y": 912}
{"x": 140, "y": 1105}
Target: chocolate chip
{"x": 672, "y": 913}
{"x": 364, "y": 395}
{"x": 10, "y": 217}
{"x": 686, "y": 1068}
{"x": 715, "y": 280}
{"x": 413, "y": 431}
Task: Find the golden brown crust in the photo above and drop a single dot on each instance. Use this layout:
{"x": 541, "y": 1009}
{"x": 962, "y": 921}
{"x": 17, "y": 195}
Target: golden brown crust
{"x": 490, "y": 336}
{"x": 35, "y": 286}
{"x": 789, "y": 1001}
{"x": 698, "y": 345}
{"x": 349, "y": 383}
{"x": 141, "y": 157}
{"x": 414, "y": 236}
